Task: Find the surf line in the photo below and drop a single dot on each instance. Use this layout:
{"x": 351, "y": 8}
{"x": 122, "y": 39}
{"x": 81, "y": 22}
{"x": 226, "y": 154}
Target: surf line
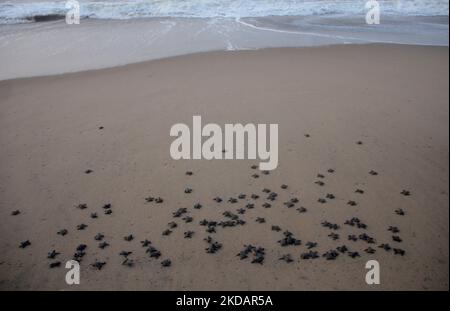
{"x": 209, "y": 143}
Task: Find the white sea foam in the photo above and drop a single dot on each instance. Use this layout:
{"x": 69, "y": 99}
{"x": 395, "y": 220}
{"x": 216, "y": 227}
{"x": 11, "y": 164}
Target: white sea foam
{"x": 25, "y": 10}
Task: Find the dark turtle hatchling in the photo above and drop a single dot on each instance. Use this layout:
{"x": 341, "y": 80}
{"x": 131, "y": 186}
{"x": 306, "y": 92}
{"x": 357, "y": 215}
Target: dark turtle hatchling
{"x": 250, "y": 205}
{"x": 360, "y": 191}
{"x": 342, "y": 249}
{"x": 154, "y": 253}
{"x": 103, "y": 245}
{"x": 373, "y": 173}
{"x": 107, "y": 206}
{"x": 128, "y": 238}
{"x": 55, "y": 264}
{"x": 62, "y": 232}
{"x": 145, "y": 243}
{"x": 217, "y": 199}
{"x": 197, "y": 206}
{"x": 94, "y": 215}
{"x": 276, "y": 228}
{"x": 167, "y": 232}
{"x": 330, "y": 170}
{"x": 125, "y": 253}
{"x": 241, "y": 211}
{"x": 385, "y": 246}
{"x": 352, "y": 237}
{"x": 254, "y": 196}
{"x": 309, "y": 255}
{"x": 108, "y": 212}
{"x": 260, "y": 220}
{"x": 396, "y": 238}
{"x": 188, "y": 190}
{"x": 320, "y": 176}
{"x": 99, "y": 237}
{"x": 405, "y": 193}
{"x": 330, "y": 196}
{"x": 320, "y": 183}
{"x": 179, "y": 212}
{"x": 266, "y": 190}
{"x": 287, "y": 258}
{"x": 307, "y": 135}
{"x": 370, "y": 250}
{"x": 265, "y": 172}
{"x": 189, "y": 173}
{"x": 301, "y": 209}
{"x": 255, "y": 176}
{"x": 254, "y": 167}
{"x": 166, "y": 263}
{"x": 310, "y": 245}
{"x": 232, "y": 200}
{"x": 400, "y": 212}
{"x": 289, "y": 204}
{"x": 82, "y": 206}
{"x": 15, "y": 213}
{"x": 352, "y": 203}
{"x": 242, "y": 196}
{"x": 159, "y": 200}
{"x": 359, "y": 142}
{"x": 188, "y": 234}
{"x": 172, "y": 225}
{"x": 98, "y": 264}
{"x": 294, "y": 200}
{"x": 398, "y": 251}
{"x": 393, "y": 229}
{"x": 81, "y": 226}
{"x": 52, "y": 254}
{"x": 81, "y": 247}
{"x": 149, "y": 199}
{"x": 334, "y": 236}
{"x": 322, "y": 201}
{"x": 88, "y": 171}
{"x": 128, "y": 262}
{"x": 367, "y": 238}
{"x": 331, "y": 255}
{"x": 188, "y": 219}
{"x": 354, "y": 254}
{"x": 284, "y": 186}
{"x": 267, "y": 205}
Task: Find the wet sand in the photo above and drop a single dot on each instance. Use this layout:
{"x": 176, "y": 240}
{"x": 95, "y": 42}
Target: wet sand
{"x": 393, "y": 99}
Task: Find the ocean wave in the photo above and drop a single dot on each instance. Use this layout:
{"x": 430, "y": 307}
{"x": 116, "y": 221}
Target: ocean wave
{"x": 17, "y": 12}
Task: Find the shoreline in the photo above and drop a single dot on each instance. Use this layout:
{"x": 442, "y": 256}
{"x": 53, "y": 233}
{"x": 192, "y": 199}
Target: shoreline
{"x": 114, "y": 123}
{"x": 101, "y": 44}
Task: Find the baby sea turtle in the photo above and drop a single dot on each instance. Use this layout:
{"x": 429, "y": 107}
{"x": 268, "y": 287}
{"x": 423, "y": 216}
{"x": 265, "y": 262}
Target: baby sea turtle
{"x": 100, "y": 127}
{"x": 187, "y": 190}
{"x": 125, "y": 253}
{"x": 254, "y": 196}
{"x": 301, "y": 209}
{"x": 393, "y": 229}
{"x": 400, "y": 212}
{"x": 188, "y": 219}
{"x": 284, "y": 186}
{"x": 330, "y": 196}
{"x": 81, "y": 247}
{"x": 218, "y": 199}
{"x": 307, "y": 135}
{"x": 352, "y": 203}
{"x": 266, "y": 190}
{"x": 373, "y": 173}
{"x": 260, "y": 220}
{"x": 81, "y": 226}
{"x": 78, "y": 255}
{"x": 98, "y": 264}
{"x": 154, "y": 253}
{"x": 166, "y": 232}
{"x": 272, "y": 196}
{"x": 88, "y": 171}
{"x": 52, "y": 254}
{"x": 15, "y": 213}
{"x": 334, "y": 236}
{"x": 213, "y": 247}
{"x": 241, "y": 211}
{"x": 309, "y": 255}
{"x": 320, "y": 183}
{"x": 405, "y": 193}
{"x": 289, "y": 239}
{"x": 276, "y": 228}
{"x": 254, "y": 167}
{"x": 330, "y": 225}
{"x": 289, "y": 204}
{"x": 232, "y": 200}
{"x": 82, "y": 206}
{"x": 128, "y": 262}
{"x": 128, "y": 238}
{"x": 149, "y": 199}
{"x": 99, "y": 237}
{"x": 103, "y": 245}
{"x": 62, "y": 232}
{"x": 258, "y": 255}
{"x": 352, "y": 237}
{"x": 255, "y": 176}
{"x": 55, "y": 264}
{"x": 159, "y": 200}
{"x": 166, "y": 263}
{"x": 365, "y": 237}
{"x": 242, "y": 196}
{"x": 94, "y": 215}
{"x": 342, "y": 249}
{"x": 188, "y": 234}
{"x": 189, "y": 173}
{"x": 360, "y": 191}
{"x": 250, "y": 205}
{"x": 108, "y": 212}
{"x": 370, "y": 250}
{"x": 399, "y": 251}
{"x": 294, "y": 200}
{"x": 322, "y": 200}
{"x": 396, "y": 238}
{"x": 266, "y": 205}
{"x": 320, "y": 176}
{"x": 354, "y": 254}
{"x": 145, "y": 243}
{"x": 331, "y": 255}
{"x": 310, "y": 245}
{"x": 287, "y": 258}
{"x": 197, "y": 206}
{"x": 330, "y": 170}
{"x": 385, "y": 246}
{"x": 172, "y": 225}
{"x": 179, "y": 212}
{"x": 107, "y": 206}
{"x": 359, "y": 142}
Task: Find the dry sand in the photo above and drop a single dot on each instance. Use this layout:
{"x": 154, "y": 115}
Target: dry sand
{"x": 392, "y": 98}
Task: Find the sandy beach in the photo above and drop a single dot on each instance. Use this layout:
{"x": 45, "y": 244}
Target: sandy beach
{"x": 343, "y": 111}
